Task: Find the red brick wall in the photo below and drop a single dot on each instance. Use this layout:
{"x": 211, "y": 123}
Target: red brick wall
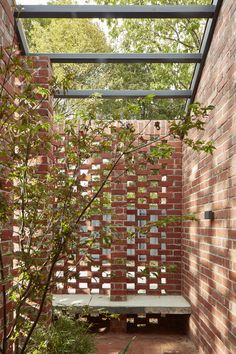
{"x": 6, "y": 23}
{"x": 6, "y": 39}
{"x": 42, "y": 73}
{"x": 147, "y": 194}
{"x": 209, "y": 183}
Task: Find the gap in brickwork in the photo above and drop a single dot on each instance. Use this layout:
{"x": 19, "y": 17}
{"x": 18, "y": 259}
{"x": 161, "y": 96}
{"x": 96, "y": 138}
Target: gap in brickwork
{"x": 130, "y": 199}
{"x": 140, "y": 324}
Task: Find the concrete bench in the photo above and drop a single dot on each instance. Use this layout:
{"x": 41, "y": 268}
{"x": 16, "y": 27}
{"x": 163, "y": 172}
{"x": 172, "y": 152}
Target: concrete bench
{"x": 136, "y": 304}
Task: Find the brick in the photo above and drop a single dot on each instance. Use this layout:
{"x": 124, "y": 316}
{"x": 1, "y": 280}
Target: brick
{"x": 207, "y": 265}
{"x": 207, "y": 182}
{"x": 12, "y": 87}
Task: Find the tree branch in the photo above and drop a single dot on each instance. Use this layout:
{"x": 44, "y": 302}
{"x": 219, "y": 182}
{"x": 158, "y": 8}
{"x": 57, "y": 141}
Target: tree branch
{"x": 4, "y": 300}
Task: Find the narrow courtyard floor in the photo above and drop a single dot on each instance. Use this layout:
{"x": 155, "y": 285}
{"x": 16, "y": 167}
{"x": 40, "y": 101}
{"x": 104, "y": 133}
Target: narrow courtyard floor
{"x": 113, "y": 343}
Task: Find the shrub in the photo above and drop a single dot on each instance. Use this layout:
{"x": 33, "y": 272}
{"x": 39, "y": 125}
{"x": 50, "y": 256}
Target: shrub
{"x": 64, "y": 336}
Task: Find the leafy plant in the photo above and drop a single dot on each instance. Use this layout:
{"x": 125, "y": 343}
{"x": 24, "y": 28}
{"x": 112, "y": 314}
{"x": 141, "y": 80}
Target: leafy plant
{"x": 65, "y": 335}
{"x": 41, "y": 159}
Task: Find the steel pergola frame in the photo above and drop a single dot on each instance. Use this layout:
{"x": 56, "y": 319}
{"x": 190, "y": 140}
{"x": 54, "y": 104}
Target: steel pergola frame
{"x": 122, "y": 58}
{"x": 124, "y": 93}
{"x": 209, "y": 12}
{"x": 104, "y": 11}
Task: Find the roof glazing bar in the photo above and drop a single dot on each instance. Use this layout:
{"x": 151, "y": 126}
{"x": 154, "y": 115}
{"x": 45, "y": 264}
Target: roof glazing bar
{"x": 205, "y": 46}
{"x": 121, "y": 58}
{"x": 123, "y": 93}
{"x": 101, "y": 11}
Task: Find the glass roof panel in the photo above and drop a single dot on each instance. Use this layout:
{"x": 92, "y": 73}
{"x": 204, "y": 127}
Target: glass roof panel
{"x": 158, "y": 109}
{"x": 111, "y": 35}
{"x": 182, "y": 37}
{"x": 127, "y": 76}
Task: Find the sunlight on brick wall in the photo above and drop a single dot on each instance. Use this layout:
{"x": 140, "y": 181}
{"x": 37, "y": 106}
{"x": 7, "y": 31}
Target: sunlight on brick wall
{"x": 208, "y": 265}
{"x": 133, "y": 198}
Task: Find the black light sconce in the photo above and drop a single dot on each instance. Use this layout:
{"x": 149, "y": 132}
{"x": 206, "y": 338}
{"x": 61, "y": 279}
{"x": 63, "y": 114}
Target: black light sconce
{"x": 209, "y": 215}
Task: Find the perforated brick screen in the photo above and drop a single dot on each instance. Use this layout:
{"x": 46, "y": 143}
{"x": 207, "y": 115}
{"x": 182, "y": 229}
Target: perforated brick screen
{"x": 130, "y": 199}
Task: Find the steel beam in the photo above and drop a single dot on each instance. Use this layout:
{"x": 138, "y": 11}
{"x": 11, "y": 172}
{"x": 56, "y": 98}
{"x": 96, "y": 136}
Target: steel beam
{"x": 205, "y": 46}
{"x": 22, "y": 38}
{"x": 101, "y": 11}
{"x": 123, "y": 93}
{"x": 121, "y": 58}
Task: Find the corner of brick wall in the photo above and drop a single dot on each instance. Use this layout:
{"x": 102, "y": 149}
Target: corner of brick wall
{"x": 6, "y": 39}
{"x": 42, "y": 69}
{"x": 209, "y": 183}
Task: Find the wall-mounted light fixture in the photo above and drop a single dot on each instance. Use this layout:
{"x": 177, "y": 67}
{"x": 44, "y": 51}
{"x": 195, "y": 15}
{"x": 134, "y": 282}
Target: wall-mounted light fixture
{"x": 209, "y": 215}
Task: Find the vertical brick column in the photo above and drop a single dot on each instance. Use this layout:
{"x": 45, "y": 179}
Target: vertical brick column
{"x": 119, "y": 243}
{"x": 7, "y": 33}
{"x": 6, "y": 245}
{"x": 42, "y": 73}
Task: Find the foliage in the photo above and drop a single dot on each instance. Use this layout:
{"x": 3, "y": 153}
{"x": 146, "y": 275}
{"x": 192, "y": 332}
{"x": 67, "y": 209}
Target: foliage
{"x": 128, "y": 35}
{"x": 194, "y": 119}
{"x": 155, "y": 36}
{"x": 164, "y": 35}
{"x": 66, "y": 335}
{"x": 41, "y": 160}
{"x": 71, "y": 36}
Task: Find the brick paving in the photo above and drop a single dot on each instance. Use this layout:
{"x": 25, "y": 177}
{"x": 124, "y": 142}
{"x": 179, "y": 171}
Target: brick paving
{"x": 111, "y": 343}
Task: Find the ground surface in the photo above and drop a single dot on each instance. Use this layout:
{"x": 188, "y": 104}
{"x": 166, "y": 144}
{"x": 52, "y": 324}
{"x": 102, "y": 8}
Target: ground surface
{"x": 112, "y": 343}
